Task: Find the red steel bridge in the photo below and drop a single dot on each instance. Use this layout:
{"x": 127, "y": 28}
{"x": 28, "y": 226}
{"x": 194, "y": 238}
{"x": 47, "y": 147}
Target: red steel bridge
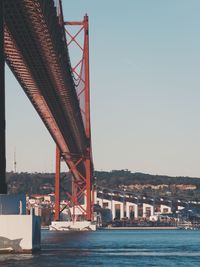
{"x": 35, "y": 47}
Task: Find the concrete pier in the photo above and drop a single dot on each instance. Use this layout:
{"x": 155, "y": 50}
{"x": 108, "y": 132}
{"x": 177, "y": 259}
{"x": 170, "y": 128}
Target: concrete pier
{"x": 19, "y": 233}
{"x": 72, "y": 226}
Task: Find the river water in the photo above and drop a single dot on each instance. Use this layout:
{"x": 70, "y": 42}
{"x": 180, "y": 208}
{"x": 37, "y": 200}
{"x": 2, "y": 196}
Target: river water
{"x": 113, "y": 248}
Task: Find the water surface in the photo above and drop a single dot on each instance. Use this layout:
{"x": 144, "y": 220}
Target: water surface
{"x": 113, "y": 248}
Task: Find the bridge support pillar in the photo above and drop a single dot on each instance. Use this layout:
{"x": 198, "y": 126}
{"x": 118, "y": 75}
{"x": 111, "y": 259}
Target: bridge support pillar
{"x": 57, "y": 186}
{"x": 88, "y": 189}
{"x": 83, "y": 187}
{"x": 3, "y": 187}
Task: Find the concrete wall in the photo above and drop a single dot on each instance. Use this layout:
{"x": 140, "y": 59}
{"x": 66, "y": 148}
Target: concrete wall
{"x": 67, "y": 226}
{"x": 12, "y": 204}
{"x": 150, "y": 207}
{"x": 19, "y": 233}
{"x": 111, "y": 204}
{"x": 121, "y": 205}
{"x": 130, "y": 205}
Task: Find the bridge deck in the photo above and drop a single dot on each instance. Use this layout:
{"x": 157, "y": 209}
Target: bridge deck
{"x": 36, "y": 52}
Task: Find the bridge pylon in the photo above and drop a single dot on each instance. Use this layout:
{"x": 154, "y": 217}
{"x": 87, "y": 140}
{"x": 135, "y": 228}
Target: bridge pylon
{"x": 81, "y": 196}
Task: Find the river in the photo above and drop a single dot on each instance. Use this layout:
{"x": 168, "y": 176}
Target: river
{"x": 113, "y": 248}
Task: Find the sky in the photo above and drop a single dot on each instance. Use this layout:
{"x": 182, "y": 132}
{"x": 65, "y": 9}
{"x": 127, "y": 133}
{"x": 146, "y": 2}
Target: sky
{"x": 145, "y": 90}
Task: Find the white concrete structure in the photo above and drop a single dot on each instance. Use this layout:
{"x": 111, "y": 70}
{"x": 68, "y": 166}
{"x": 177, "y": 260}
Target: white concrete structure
{"x": 95, "y": 196}
{"x": 131, "y": 206}
{"x": 19, "y": 233}
{"x": 71, "y": 219}
{"x": 148, "y": 210}
{"x": 114, "y": 208}
{"x": 104, "y": 203}
{"x": 72, "y": 226}
{"x": 144, "y": 210}
{"x": 112, "y": 205}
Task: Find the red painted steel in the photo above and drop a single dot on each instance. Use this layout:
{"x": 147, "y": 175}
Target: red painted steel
{"x": 36, "y": 52}
{"x": 83, "y": 189}
{"x": 87, "y": 118}
{"x": 57, "y": 186}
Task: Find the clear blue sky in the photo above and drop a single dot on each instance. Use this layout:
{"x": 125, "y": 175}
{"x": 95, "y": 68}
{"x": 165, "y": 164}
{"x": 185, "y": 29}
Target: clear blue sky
{"x": 145, "y": 90}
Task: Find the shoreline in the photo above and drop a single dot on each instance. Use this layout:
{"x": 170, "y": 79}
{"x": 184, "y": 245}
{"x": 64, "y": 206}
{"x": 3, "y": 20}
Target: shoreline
{"x": 141, "y": 228}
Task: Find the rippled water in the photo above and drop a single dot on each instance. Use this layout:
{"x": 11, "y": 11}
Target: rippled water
{"x": 113, "y": 248}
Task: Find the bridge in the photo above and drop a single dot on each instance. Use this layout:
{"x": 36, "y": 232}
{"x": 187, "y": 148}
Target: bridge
{"x": 34, "y": 43}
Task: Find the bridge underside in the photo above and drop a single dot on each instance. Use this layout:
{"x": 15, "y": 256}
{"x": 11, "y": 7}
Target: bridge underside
{"x": 36, "y": 52}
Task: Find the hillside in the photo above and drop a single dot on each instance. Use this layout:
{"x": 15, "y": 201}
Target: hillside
{"x": 151, "y": 185}
{"x": 118, "y": 177}
{"x": 43, "y": 183}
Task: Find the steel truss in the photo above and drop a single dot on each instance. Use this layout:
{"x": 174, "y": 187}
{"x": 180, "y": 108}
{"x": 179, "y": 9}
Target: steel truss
{"x": 82, "y": 183}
